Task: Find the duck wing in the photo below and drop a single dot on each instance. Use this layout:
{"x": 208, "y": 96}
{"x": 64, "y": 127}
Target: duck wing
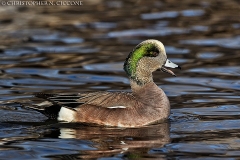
{"x": 99, "y": 99}
{"x": 108, "y": 99}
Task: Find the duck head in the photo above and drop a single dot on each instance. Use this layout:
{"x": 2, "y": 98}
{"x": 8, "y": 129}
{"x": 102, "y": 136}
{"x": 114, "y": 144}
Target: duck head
{"x": 147, "y": 57}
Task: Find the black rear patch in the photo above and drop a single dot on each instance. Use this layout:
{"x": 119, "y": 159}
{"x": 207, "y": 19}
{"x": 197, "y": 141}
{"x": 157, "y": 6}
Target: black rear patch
{"x": 51, "y": 112}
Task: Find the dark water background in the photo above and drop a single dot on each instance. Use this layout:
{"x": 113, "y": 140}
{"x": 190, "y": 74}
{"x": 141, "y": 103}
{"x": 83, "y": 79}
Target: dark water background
{"x": 71, "y": 49}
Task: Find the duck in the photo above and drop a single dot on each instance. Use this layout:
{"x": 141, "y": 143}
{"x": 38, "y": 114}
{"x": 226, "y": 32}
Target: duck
{"x": 146, "y": 104}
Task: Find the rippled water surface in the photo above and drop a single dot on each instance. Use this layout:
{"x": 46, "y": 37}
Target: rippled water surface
{"x": 71, "y": 49}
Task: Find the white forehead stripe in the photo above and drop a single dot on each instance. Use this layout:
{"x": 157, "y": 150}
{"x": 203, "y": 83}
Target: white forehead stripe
{"x": 170, "y": 64}
{"x": 116, "y": 107}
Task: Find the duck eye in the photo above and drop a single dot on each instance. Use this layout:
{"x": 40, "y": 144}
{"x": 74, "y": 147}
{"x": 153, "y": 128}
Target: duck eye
{"x": 155, "y": 54}
{"x": 152, "y": 52}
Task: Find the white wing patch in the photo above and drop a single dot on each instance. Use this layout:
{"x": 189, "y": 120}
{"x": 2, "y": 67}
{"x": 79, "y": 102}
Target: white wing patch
{"x": 116, "y": 107}
{"x": 66, "y": 114}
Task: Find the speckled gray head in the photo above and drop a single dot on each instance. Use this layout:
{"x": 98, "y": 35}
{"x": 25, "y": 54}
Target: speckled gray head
{"x": 147, "y": 57}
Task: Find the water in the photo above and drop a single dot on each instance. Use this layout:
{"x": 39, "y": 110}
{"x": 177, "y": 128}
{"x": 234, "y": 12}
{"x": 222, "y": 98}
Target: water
{"x": 71, "y": 49}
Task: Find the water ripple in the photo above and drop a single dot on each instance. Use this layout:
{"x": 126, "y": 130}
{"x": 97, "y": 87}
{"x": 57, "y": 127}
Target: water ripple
{"x": 231, "y": 42}
{"x": 209, "y": 55}
{"x": 172, "y": 14}
{"x": 160, "y": 15}
{"x": 66, "y": 49}
{"x": 148, "y": 32}
{"x": 224, "y": 70}
{"x": 210, "y": 82}
{"x": 55, "y": 38}
{"x": 105, "y": 67}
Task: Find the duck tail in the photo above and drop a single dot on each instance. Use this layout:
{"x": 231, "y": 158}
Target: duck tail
{"x": 50, "y": 111}
{"x": 53, "y": 109}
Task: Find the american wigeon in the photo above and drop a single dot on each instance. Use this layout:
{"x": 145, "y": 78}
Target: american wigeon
{"x": 146, "y": 104}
